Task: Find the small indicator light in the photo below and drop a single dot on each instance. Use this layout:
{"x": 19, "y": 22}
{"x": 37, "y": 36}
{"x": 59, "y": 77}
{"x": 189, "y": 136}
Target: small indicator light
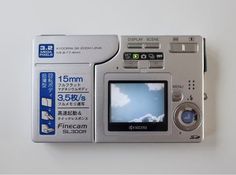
{"x": 135, "y": 56}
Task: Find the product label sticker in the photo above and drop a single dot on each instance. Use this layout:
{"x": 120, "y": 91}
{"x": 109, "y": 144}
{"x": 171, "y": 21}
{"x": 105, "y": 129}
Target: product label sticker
{"x": 73, "y": 104}
{"x": 47, "y": 103}
{"x": 46, "y": 50}
{"x": 64, "y": 104}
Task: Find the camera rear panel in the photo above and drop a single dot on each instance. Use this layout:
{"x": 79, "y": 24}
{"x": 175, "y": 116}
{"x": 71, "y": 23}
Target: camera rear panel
{"x": 105, "y": 88}
{"x": 151, "y": 91}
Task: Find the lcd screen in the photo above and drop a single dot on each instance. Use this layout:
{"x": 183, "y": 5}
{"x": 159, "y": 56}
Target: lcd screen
{"x": 142, "y": 105}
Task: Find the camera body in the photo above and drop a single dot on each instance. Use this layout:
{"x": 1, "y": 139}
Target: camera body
{"x": 106, "y": 88}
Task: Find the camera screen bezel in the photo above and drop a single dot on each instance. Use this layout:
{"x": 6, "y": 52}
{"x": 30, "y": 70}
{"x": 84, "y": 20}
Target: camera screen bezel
{"x": 143, "y": 126}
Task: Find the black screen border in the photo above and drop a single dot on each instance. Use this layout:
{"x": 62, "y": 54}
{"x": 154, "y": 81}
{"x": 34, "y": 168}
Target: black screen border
{"x": 144, "y": 126}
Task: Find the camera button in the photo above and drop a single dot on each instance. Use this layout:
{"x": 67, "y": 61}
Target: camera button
{"x": 156, "y": 64}
{"x": 130, "y": 64}
{"x": 191, "y": 48}
{"x": 177, "y": 96}
{"x": 188, "y": 117}
{"x": 183, "y": 47}
{"x": 176, "y": 47}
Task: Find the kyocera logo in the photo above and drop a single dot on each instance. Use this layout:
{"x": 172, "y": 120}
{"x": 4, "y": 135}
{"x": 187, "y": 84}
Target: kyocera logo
{"x": 131, "y": 127}
{"x": 46, "y": 50}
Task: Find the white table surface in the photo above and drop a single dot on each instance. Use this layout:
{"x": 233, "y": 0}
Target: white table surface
{"x": 21, "y": 20}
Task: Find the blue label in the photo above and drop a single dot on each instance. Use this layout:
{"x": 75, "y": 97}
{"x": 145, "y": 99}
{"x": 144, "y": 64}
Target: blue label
{"x": 47, "y": 103}
{"x": 46, "y": 50}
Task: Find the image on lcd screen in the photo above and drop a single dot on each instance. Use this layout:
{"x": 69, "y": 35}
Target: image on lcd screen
{"x": 137, "y": 102}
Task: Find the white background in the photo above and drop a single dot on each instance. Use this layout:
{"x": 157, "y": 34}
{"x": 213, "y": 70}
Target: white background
{"x": 20, "y": 20}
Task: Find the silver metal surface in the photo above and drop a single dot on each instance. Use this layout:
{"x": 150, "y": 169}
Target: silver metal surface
{"x": 100, "y": 60}
{"x": 76, "y": 56}
{"x": 182, "y": 70}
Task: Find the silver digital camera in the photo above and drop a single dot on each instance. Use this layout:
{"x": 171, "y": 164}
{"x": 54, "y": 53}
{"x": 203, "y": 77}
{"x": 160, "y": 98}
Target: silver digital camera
{"x": 105, "y": 88}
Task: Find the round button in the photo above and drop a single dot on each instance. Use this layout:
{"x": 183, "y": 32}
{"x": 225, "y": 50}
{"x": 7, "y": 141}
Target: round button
{"x": 177, "y": 96}
{"x": 187, "y": 116}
